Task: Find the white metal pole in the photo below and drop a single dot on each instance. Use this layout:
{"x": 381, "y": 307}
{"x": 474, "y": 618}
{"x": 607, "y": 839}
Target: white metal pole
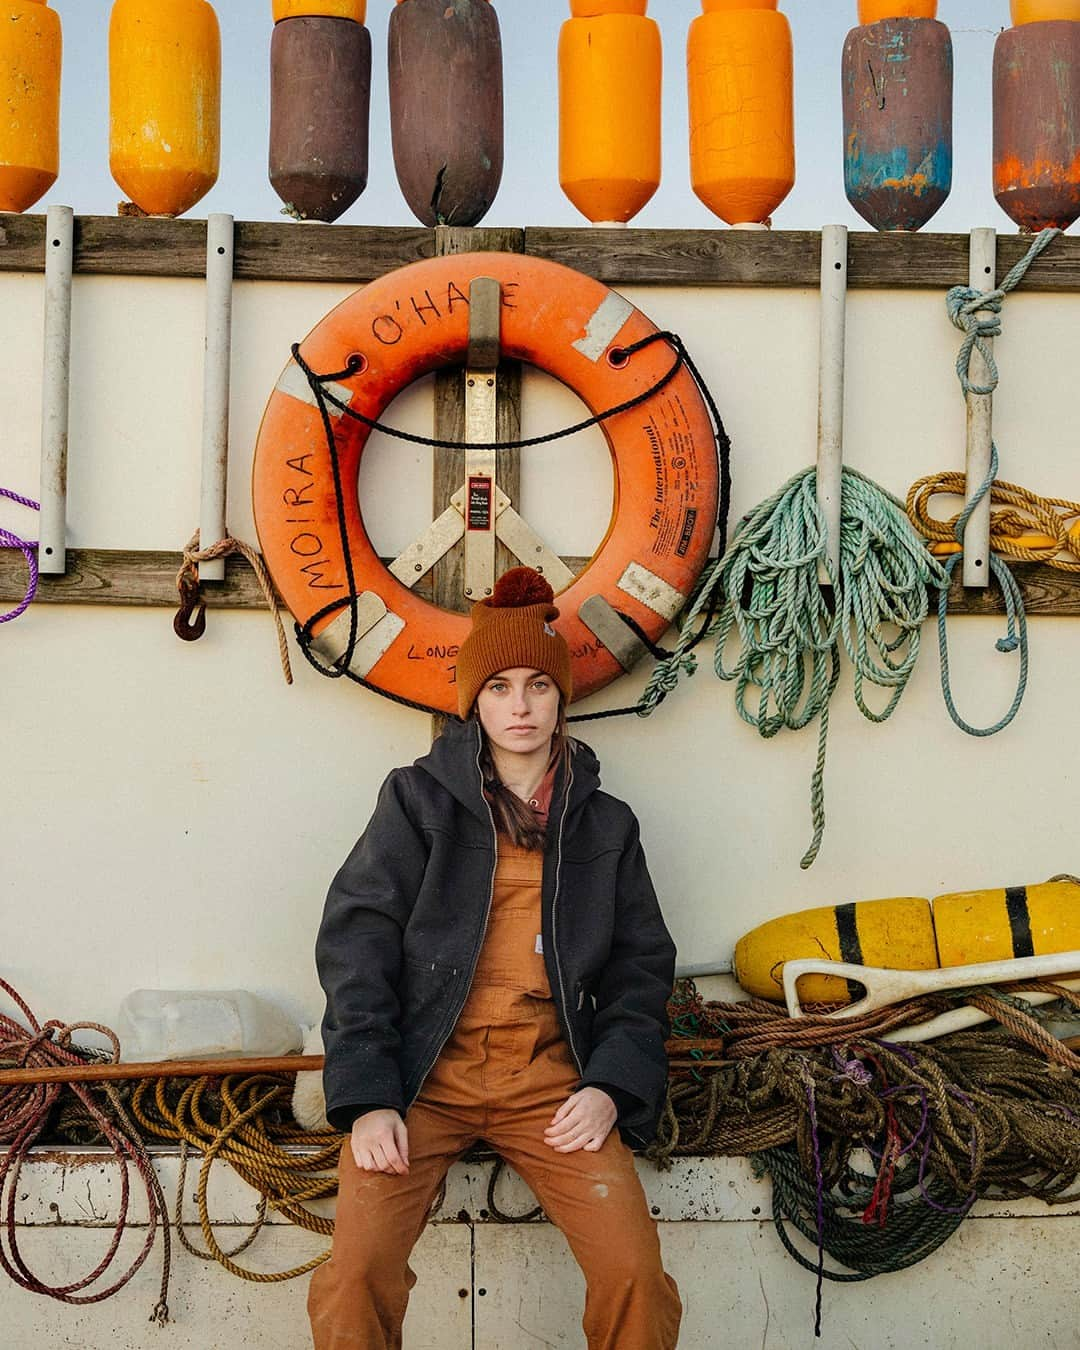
{"x": 830, "y": 456}
{"x": 56, "y": 380}
{"x": 982, "y": 276}
{"x": 215, "y": 436}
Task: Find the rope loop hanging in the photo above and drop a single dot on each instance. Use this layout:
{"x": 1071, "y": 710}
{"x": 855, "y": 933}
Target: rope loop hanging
{"x": 187, "y": 585}
{"x": 962, "y": 305}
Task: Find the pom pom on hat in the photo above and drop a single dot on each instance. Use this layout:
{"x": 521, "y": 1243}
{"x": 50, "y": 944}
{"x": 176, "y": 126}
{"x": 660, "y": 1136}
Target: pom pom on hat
{"x": 521, "y": 586}
{"x": 511, "y": 629}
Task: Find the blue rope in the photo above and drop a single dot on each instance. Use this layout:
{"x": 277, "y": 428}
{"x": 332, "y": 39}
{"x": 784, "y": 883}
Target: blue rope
{"x": 963, "y": 304}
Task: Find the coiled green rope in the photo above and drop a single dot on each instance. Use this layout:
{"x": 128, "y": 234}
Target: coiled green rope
{"x": 790, "y": 630}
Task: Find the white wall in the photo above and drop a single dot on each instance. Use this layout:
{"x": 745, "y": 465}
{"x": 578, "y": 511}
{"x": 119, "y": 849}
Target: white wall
{"x": 172, "y": 813}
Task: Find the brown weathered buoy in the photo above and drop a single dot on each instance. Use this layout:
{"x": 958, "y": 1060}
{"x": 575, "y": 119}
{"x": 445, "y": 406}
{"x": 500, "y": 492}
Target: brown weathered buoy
{"x": 320, "y": 87}
{"x": 1037, "y": 114}
{"x": 897, "y": 78}
{"x": 446, "y": 107}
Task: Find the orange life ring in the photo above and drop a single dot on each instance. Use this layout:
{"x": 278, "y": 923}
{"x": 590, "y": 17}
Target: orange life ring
{"x": 408, "y": 323}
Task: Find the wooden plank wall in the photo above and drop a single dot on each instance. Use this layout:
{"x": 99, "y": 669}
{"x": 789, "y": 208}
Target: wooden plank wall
{"x": 269, "y": 251}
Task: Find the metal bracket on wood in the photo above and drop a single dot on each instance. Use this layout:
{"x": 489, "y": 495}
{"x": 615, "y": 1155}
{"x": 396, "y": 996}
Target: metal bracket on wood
{"x": 830, "y": 454}
{"x": 982, "y": 276}
{"x": 56, "y": 383}
{"x": 481, "y": 390}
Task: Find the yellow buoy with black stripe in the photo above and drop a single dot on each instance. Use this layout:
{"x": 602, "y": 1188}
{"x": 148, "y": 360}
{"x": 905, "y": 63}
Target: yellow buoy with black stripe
{"x": 996, "y": 925}
{"x": 30, "y": 47}
{"x": 897, "y": 934}
{"x": 910, "y": 933}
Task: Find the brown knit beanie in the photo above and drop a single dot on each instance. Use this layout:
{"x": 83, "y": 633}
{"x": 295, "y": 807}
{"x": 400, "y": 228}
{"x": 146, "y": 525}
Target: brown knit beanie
{"x": 511, "y": 629}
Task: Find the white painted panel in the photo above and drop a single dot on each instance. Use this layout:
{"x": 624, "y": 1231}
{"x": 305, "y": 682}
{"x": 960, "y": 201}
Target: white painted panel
{"x": 210, "y": 1308}
{"x": 995, "y": 1284}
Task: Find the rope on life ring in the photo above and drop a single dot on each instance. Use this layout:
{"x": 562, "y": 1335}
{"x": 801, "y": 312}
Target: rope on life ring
{"x": 363, "y": 619}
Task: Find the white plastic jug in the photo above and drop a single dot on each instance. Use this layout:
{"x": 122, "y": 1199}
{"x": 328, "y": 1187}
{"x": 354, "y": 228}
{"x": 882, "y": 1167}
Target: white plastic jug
{"x": 156, "y": 1024}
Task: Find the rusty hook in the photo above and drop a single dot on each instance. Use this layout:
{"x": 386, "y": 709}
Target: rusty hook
{"x": 184, "y": 626}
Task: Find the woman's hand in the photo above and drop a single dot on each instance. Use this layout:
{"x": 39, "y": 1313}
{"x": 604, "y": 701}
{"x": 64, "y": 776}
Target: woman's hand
{"x": 380, "y": 1142}
{"x": 583, "y": 1121}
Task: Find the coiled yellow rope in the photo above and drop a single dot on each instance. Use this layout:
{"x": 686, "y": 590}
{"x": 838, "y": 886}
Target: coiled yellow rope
{"x": 232, "y": 1119}
{"x": 1026, "y": 527}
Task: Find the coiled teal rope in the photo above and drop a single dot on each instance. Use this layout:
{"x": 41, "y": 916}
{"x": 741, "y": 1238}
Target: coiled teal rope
{"x": 963, "y": 305}
{"x": 789, "y": 629}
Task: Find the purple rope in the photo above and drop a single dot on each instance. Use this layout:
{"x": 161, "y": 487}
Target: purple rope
{"x": 29, "y": 551}
{"x": 820, "y": 1188}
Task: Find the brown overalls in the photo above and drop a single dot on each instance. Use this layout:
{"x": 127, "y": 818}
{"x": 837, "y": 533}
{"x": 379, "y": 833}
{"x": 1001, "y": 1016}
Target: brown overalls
{"x": 500, "y": 1077}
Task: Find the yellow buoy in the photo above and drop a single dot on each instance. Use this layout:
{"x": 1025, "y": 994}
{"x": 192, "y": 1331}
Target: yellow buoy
{"x": 165, "y": 102}
{"x": 872, "y": 11}
{"x": 30, "y": 52}
{"x": 996, "y": 925}
{"x": 742, "y": 129}
{"x": 897, "y": 934}
{"x": 610, "y": 62}
{"x": 1043, "y": 11}
{"x": 321, "y": 9}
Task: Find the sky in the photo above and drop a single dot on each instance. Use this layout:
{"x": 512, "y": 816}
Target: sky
{"x": 530, "y": 192}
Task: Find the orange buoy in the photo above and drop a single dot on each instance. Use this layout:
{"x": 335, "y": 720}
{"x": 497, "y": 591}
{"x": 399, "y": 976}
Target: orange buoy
{"x": 320, "y": 9}
{"x": 610, "y": 64}
{"x": 873, "y": 11}
{"x": 897, "y": 934}
{"x": 742, "y": 130}
{"x": 1037, "y": 114}
{"x": 30, "y": 55}
{"x": 1043, "y": 11}
{"x": 165, "y": 102}
{"x": 415, "y": 320}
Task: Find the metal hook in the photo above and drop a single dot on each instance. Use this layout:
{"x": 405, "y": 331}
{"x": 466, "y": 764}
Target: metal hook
{"x": 184, "y": 627}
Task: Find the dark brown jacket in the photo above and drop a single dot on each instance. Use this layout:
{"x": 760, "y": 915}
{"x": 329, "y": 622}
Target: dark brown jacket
{"x": 406, "y": 915}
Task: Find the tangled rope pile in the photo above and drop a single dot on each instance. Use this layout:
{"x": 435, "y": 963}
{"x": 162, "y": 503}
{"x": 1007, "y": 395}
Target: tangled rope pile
{"x": 973, "y": 1114}
{"x": 790, "y": 631}
{"x": 24, "y": 1113}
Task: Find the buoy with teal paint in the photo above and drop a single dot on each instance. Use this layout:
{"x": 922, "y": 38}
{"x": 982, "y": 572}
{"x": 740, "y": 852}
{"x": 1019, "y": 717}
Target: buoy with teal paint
{"x": 897, "y": 76}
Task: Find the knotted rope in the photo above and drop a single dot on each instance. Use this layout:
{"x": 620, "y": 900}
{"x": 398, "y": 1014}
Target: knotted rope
{"x": 187, "y": 581}
{"x": 790, "y": 631}
{"x": 24, "y": 1112}
{"x": 978, "y": 316}
{"x": 28, "y": 548}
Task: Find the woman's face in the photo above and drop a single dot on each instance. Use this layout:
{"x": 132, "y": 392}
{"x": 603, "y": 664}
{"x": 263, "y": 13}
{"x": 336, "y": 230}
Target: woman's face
{"x": 519, "y": 709}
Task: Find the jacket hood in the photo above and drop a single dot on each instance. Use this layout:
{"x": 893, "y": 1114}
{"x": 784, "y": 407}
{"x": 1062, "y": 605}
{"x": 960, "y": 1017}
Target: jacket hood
{"x": 452, "y": 762}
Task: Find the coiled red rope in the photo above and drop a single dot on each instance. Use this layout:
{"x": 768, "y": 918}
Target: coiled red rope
{"x": 24, "y": 1110}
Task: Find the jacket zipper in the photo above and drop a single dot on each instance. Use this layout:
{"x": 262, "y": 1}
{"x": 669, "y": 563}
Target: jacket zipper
{"x": 554, "y": 935}
{"x": 483, "y": 933}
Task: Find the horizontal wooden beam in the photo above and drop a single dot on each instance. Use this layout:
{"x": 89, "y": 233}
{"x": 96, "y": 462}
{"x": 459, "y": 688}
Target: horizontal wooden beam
{"x": 127, "y": 577}
{"x": 286, "y": 251}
